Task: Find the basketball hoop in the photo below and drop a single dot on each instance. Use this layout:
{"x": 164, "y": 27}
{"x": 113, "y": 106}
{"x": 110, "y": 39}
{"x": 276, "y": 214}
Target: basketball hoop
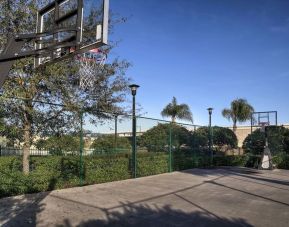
{"x": 64, "y": 29}
{"x": 90, "y": 67}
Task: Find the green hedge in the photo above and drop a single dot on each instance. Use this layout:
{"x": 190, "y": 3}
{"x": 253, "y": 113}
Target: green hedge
{"x": 189, "y": 160}
{"x": 106, "y": 168}
{"x": 56, "y": 172}
{"x": 152, "y": 163}
{"x": 230, "y": 160}
{"x": 281, "y": 161}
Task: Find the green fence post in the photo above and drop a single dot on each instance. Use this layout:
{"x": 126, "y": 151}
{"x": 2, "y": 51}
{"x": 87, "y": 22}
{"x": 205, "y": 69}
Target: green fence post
{"x": 81, "y": 148}
{"x": 135, "y": 149}
{"x": 115, "y": 133}
{"x": 170, "y": 149}
{"x": 193, "y": 148}
{"x": 210, "y": 110}
{"x": 134, "y": 141}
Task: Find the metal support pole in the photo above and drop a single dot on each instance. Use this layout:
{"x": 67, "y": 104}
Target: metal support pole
{"x": 170, "y": 150}
{"x": 134, "y": 137}
{"x": 81, "y": 148}
{"x": 133, "y": 88}
{"x": 210, "y": 135}
{"x": 210, "y": 141}
{"x": 115, "y": 132}
{"x": 266, "y": 137}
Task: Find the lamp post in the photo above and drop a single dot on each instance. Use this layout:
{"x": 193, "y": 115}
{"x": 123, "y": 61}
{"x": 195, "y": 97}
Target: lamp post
{"x": 210, "y": 110}
{"x": 115, "y": 132}
{"x": 133, "y": 88}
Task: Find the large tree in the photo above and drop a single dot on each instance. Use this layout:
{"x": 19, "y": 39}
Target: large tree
{"x": 159, "y": 137}
{"x": 240, "y": 111}
{"x": 278, "y": 141}
{"x": 106, "y": 143}
{"x": 221, "y": 136}
{"x": 64, "y": 144}
{"x": 175, "y": 110}
{"x": 28, "y": 92}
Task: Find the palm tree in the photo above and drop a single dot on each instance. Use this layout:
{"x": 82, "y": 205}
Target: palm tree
{"x": 175, "y": 110}
{"x": 240, "y": 111}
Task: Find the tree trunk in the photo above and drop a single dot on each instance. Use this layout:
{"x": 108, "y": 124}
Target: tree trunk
{"x": 27, "y": 124}
{"x": 234, "y": 126}
{"x": 26, "y": 147}
{"x": 173, "y": 119}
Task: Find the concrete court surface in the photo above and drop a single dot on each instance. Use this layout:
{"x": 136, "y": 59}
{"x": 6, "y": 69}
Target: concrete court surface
{"x": 197, "y": 197}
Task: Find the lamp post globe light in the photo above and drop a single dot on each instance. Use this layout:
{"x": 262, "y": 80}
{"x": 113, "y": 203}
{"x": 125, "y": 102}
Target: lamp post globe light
{"x": 133, "y": 88}
{"x": 210, "y": 110}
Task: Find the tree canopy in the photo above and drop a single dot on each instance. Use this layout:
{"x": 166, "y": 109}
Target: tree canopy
{"x": 106, "y": 143}
{"x": 177, "y": 111}
{"x": 28, "y": 94}
{"x": 59, "y": 144}
{"x": 240, "y": 111}
{"x": 278, "y": 140}
{"x": 221, "y": 136}
{"x": 158, "y": 137}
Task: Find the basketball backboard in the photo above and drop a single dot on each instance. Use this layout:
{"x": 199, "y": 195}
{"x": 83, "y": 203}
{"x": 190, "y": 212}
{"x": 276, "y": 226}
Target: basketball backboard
{"x": 263, "y": 119}
{"x": 71, "y": 27}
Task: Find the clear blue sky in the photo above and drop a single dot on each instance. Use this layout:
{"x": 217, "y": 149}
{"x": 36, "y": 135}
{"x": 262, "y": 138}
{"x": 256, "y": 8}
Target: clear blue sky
{"x": 206, "y": 53}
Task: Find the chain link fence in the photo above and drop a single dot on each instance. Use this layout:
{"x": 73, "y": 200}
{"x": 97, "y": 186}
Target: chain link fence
{"x": 90, "y": 150}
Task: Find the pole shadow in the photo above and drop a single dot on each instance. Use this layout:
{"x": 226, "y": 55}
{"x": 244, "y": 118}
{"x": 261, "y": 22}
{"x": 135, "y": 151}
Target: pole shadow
{"x": 143, "y": 215}
{"x": 22, "y": 210}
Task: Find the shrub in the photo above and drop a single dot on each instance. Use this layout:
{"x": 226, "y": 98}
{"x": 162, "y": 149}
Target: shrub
{"x": 281, "y": 161}
{"x": 278, "y": 141}
{"x": 157, "y": 138}
{"x": 106, "y": 143}
{"x": 230, "y": 160}
{"x": 106, "y": 168}
{"x": 188, "y": 159}
{"x": 59, "y": 144}
{"x": 221, "y": 136}
{"x": 56, "y": 172}
{"x": 152, "y": 163}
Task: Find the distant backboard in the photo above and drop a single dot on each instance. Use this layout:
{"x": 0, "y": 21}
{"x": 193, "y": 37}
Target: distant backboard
{"x": 263, "y": 119}
{"x": 71, "y": 27}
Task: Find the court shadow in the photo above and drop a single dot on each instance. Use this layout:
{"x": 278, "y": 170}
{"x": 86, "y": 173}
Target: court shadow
{"x": 150, "y": 216}
{"x": 249, "y": 193}
{"x": 204, "y": 172}
{"x": 218, "y": 171}
{"x": 22, "y": 210}
{"x": 255, "y": 175}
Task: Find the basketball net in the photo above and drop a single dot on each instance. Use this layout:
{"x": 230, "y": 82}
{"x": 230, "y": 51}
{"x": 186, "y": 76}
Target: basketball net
{"x": 90, "y": 67}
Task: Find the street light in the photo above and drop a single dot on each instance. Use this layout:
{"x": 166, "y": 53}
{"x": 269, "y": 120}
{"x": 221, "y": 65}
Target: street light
{"x": 115, "y": 131}
{"x": 133, "y": 88}
{"x": 210, "y": 110}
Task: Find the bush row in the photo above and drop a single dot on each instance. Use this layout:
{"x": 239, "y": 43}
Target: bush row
{"x": 56, "y": 172}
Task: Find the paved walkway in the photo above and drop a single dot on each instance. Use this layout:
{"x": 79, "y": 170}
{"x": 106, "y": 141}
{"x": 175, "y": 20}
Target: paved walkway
{"x": 198, "y": 197}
